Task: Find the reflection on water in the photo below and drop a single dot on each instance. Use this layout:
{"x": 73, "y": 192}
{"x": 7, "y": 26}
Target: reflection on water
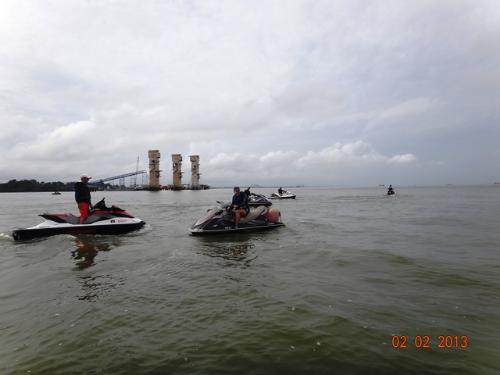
{"x": 237, "y": 249}
{"x": 87, "y": 248}
{"x": 85, "y": 252}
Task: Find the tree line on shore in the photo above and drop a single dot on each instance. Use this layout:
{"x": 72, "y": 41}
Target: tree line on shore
{"x": 33, "y": 185}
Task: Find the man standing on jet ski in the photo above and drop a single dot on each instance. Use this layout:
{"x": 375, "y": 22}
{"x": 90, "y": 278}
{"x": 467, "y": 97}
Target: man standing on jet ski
{"x": 239, "y": 205}
{"x": 82, "y": 197}
{"x": 280, "y": 191}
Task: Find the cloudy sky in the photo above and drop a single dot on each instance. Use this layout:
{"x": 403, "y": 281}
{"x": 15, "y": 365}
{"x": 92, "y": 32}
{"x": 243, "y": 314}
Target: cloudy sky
{"x": 270, "y": 92}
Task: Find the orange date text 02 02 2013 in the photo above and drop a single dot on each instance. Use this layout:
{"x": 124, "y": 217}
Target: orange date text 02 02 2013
{"x": 444, "y": 342}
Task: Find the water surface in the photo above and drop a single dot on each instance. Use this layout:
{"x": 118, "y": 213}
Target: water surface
{"x": 322, "y": 295}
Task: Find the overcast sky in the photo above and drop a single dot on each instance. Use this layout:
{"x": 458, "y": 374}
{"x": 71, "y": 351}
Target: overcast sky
{"x": 268, "y": 92}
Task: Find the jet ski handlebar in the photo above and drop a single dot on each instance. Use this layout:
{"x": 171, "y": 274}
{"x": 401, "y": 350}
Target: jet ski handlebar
{"x": 101, "y": 205}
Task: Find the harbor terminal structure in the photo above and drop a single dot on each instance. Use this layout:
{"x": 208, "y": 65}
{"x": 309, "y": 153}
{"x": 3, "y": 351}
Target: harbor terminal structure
{"x": 177, "y": 172}
{"x": 154, "y": 173}
{"x": 195, "y": 171}
{"x": 154, "y": 169}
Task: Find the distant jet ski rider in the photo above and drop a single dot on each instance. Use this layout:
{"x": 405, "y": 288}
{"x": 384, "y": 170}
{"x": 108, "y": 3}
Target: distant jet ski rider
{"x": 239, "y": 205}
{"x": 82, "y": 197}
{"x": 390, "y": 190}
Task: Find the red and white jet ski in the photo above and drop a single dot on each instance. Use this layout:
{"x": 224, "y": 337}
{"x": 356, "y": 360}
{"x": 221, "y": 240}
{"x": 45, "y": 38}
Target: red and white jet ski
{"x": 101, "y": 220}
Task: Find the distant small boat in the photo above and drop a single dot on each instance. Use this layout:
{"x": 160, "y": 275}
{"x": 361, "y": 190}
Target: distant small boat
{"x": 56, "y": 193}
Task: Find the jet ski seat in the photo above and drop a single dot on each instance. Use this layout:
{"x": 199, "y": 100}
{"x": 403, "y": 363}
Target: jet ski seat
{"x": 254, "y": 213}
{"x": 72, "y": 219}
{"x": 61, "y": 218}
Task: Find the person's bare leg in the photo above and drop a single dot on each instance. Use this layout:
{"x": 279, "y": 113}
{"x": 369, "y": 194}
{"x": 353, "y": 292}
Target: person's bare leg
{"x": 239, "y": 214}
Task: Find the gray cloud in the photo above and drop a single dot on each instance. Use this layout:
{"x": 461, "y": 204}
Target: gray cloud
{"x": 371, "y": 92}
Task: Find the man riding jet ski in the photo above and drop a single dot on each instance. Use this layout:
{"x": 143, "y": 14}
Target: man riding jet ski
{"x": 101, "y": 220}
{"x": 282, "y": 194}
{"x": 221, "y": 220}
{"x": 390, "y": 190}
{"x": 239, "y": 205}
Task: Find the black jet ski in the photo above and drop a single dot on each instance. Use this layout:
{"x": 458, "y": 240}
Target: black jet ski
{"x": 221, "y": 220}
{"x": 101, "y": 220}
{"x": 257, "y": 199}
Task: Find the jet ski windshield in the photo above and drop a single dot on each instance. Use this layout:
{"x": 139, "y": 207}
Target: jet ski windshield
{"x": 101, "y": 205}
{"x": 215, "y": 211}
{"x": 258, "y": 200}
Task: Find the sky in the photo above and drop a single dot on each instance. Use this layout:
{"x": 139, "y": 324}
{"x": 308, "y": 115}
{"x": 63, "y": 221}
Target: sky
{"x": 320, "y": 93}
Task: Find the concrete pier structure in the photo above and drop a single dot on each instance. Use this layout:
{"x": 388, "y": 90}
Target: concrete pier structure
{"x": 195, "y": 171}
{"x": 154, "y": 169}
{"x": 177, "y": 171}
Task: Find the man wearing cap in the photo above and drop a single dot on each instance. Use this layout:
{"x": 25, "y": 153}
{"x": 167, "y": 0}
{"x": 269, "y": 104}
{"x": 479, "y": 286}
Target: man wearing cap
{"x": 82, "y": 197}
{"x": 239, "y": 205}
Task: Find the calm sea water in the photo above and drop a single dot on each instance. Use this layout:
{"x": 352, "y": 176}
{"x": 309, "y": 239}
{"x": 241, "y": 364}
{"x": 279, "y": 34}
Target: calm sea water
{"x": 322, "y": 295}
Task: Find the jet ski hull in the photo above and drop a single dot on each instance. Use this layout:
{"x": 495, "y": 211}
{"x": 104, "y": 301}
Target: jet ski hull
{"x": 284, "y": 196}
{"x": 203, "y": 232}
{"x": 53, "y": 229}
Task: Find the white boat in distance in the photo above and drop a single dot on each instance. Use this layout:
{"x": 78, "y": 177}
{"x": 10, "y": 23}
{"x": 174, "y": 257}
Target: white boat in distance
{"x": 284, "y": 195}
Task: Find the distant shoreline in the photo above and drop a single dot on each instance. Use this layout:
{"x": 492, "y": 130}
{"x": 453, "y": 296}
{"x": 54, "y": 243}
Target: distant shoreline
{"x": 48, "y": 188}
